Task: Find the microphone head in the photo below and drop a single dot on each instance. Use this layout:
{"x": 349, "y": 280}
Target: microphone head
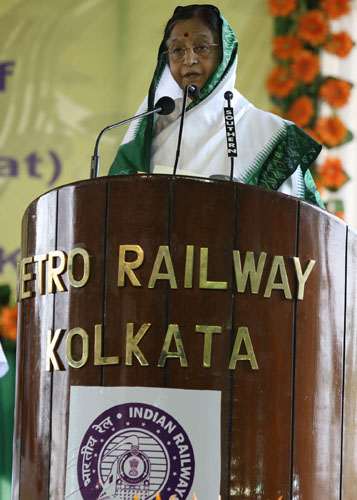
{"x": 193, "y": 91}
{"x": 228, "y": 95}
{"x": 165, "y": 105}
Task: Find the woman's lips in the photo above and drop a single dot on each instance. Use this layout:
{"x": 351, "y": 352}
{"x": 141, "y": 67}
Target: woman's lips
{"x": 191, "y": 76}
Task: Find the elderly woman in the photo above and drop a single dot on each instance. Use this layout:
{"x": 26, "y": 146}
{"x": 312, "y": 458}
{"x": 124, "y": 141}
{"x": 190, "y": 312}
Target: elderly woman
{"x": 200, "y": 48}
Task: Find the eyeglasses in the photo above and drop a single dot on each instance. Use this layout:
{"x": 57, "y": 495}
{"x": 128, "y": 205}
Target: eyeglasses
{"x": 203, "y": 51}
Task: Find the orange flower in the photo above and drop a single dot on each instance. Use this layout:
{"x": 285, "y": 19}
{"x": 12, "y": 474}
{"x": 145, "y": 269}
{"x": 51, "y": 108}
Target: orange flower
{"x": 335, "y": 92}
{"x": 332, "y": 131}
{"x": 301, "y": 111}
{"x": 312, "y": 134}
{"x": 306, "y": 66}
{"x": 8, "y": 322}
{"x": 335, "y": 8}
{"x": 331, "y": 173}
{"x": 282, "y": 8}
{"x": 286, "y": 47}
{"x": 280, "y": 83}
{"x": 339, "y": 44}
{"x": 340, "y": 214}
{"x": 313, "y": 27}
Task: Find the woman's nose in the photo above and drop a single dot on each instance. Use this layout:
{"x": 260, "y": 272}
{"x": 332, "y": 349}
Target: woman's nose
{"x": 190, "y": 56}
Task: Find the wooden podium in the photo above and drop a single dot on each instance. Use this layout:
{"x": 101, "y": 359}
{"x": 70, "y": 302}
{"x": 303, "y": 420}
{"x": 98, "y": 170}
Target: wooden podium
{"x": 274, "y": 275}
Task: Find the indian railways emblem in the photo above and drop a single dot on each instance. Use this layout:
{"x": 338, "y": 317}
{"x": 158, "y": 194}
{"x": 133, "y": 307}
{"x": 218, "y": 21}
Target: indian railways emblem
{"x": 132, "y": 449}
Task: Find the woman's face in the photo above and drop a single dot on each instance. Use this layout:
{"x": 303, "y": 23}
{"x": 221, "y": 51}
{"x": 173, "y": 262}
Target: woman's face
{"x": 191, "y": 68}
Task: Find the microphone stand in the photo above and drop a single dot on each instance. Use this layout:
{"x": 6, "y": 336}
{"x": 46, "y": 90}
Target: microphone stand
{"x": 194, "y": 92}
{"x": 164, "y": 106}
{"x": 94, "y": 166}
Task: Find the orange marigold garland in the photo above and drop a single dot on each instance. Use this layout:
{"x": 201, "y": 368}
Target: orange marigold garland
{"x": 340, "y": 214}
{"x": 8, "y": 322}
{"x": 305, "y": 66}
{"x": 301, "y": 111}
{"x": 282, "y": 8}
{"x": 334, "y": 9}
{"x": 336, "y": 92}
{"x": 280, "y": 83}
{"x": 339, "y": 44}
{"x": 331, "y": 130}
{"x": 302, "y": 31}
{"x": 286, "y": 47}
{"x": 331, "y": 173}
{"x": 313, "y": 27}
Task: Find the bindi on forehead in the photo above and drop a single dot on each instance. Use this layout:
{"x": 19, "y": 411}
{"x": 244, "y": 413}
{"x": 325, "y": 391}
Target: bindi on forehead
{"x": 179, "y": 37}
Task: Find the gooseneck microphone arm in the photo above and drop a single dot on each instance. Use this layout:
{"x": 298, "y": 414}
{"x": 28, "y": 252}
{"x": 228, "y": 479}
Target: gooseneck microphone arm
{"x": 230, "y": 131}
{"x": 164, "y": 106}
{"x": 194, "y": 92}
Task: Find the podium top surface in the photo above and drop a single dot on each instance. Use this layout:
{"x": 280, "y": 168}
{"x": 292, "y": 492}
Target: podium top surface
{"x": 190, "y": 182}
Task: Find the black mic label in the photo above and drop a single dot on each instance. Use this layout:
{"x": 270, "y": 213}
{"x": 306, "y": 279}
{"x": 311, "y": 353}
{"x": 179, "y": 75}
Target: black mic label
{"x": 230, "y": 132}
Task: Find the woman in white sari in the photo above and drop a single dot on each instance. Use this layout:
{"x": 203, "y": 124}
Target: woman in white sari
{"x": 200, "y": 48}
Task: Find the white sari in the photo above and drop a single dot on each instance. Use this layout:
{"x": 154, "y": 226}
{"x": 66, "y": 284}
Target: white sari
{"x": 4, "y": 367}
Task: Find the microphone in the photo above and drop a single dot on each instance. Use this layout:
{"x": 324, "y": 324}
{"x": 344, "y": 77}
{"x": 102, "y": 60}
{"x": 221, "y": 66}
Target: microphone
{"x": 193, "y": 91}
{"x": 164, "y": 106}
{"x": 230, "y": 131}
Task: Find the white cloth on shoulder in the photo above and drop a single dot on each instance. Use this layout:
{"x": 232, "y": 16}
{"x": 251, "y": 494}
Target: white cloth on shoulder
{"x": 4, "y": 367}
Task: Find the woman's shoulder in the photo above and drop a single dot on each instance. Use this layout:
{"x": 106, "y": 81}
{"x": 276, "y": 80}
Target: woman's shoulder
{"x": 258, "y": 121}
{"x": 260, "y": 116}
{"x": 268, "y": 124}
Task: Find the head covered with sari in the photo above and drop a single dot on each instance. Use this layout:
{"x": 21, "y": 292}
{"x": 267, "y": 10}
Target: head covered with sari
{"x": 272, "y": 152}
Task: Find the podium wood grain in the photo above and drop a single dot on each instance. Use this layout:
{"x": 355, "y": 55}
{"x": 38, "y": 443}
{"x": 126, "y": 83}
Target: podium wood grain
{"x": 289, "y": 428}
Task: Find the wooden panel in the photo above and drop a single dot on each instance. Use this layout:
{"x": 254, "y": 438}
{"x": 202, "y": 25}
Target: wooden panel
{"x": 319, "y": 358}
{"x": 81, "y": 223}
{"x": 203, "y": 216}
{"x": 36, "y": 396}
{"x": 349, "y": 459}
{"x": 281, "y": 424}
{"x": 137, "y": 215}
{"x": 261, "y": 423}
